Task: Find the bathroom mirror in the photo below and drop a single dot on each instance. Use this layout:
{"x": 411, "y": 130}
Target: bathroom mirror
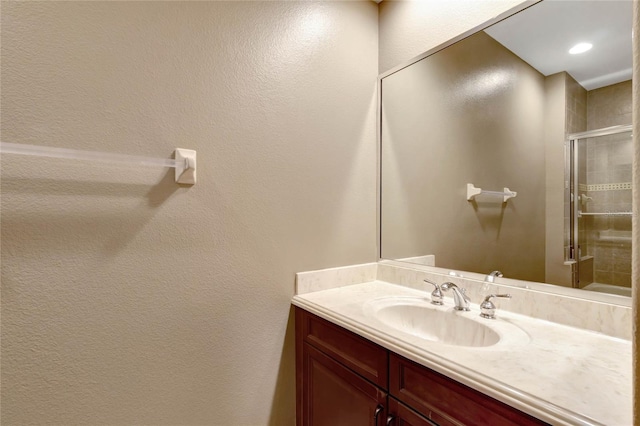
{"x": 474, "y": 139}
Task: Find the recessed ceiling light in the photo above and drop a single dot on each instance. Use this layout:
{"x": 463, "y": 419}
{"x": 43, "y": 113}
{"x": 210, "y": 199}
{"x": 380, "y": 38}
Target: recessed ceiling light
{"x": 580, "y": 48}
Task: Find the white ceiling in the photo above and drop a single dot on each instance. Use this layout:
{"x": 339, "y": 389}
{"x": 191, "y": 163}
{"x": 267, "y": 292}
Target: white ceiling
{"x": 543, "y": 34}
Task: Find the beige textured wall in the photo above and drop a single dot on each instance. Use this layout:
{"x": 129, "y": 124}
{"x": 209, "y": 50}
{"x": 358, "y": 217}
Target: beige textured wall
{"x": 127, "y": 299}
{"x": 576, "y": 121}
{"x": 635, "y": 273}
{"x": 430, "y": 154}
{"x": 555, "y": 122}
{"x": 409, "y": 28}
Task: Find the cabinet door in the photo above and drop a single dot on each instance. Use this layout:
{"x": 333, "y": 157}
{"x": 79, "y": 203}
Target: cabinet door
{"x": 401, "y": 415}
{"x": 332, "y": 395}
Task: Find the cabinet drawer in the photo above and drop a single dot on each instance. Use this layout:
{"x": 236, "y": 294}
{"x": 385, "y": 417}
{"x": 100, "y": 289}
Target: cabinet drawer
{"x": 447, "y": 402}
{"x": 402, "y": 415}
{"x": 359, "y": 354}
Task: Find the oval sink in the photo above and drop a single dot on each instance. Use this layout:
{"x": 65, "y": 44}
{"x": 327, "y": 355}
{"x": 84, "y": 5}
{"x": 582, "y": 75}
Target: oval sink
{"x": 418, "y": 317}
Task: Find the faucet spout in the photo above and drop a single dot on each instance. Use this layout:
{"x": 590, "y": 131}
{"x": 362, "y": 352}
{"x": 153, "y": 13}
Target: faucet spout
{"x": 491, "y": 277}
{"x": 459, "y": 297}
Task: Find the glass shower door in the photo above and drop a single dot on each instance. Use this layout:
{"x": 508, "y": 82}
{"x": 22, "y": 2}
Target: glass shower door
{"x": 600, "y": 209}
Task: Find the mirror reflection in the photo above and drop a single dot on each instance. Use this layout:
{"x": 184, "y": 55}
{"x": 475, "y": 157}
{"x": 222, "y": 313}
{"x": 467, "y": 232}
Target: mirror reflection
{"x": 535, "y": 111}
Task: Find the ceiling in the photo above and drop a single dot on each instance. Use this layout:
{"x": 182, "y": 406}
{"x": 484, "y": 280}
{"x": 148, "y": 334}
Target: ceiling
{"x": 543, "y": 34}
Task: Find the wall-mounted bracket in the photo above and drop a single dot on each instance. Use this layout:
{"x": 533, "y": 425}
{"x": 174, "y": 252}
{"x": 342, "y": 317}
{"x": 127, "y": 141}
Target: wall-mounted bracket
{"x": 185, "y": 166}
{"x": 472, "y": 191}
{"x": 508, "y": 194}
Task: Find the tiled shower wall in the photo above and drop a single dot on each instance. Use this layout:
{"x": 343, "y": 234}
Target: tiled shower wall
{"x": 608, "y": 183}
{"x": 609, "y": 106}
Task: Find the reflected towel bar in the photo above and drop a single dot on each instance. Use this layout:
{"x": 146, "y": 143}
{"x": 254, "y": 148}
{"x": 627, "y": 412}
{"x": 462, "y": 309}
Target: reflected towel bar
{"x": 184, "y": 162}
{"x": 472, "y": 192}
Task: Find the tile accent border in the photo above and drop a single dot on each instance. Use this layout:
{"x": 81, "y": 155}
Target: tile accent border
{"x": 605, "y": 186}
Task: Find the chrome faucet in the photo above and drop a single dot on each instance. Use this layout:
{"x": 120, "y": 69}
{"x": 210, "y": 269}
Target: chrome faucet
{"x": 459, "y": 297}
{"x": 436, "y": 294}
{"x": 487, "y": 308}
{"x": 492, "y": 276}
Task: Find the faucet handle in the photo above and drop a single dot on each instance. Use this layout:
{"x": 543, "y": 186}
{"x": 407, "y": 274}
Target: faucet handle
{"x": 491, "y": 277}
{"x": 487, "y": 308}
{"x": 464, "y": 294}
{"x": 436, "y": 294}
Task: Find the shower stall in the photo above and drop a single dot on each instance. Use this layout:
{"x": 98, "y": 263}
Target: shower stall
{"x": 598, "y": 209}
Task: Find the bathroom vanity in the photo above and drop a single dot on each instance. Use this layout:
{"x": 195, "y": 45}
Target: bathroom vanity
{"x": 346, "y": 379}
{"x": 379, "y": 353}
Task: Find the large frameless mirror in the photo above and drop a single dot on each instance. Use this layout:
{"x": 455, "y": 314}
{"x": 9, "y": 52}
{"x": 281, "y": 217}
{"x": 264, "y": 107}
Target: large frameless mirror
{"x": 511, "y": 150}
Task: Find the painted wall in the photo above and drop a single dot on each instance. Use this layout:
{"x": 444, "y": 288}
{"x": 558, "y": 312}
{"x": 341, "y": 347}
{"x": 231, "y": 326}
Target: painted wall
{"x": 456, "y": 118}
{"x": 557, "y": 119}
{"x": 127, "y": 299}
{"x": 576, "y": 121}
{"x": 409, "y": 28}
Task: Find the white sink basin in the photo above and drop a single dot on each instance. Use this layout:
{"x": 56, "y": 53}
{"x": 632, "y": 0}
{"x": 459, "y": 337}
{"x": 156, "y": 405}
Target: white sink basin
{"x": 417, "y": 317}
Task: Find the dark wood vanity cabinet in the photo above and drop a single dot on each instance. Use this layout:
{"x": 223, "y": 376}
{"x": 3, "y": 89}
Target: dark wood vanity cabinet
{"x": 341, "y": 377}
{"x": 344, "y": 379}
{"x": 334, "y": 395}
{"x": 401, "y": 415}
{"x": 447, "y": 402}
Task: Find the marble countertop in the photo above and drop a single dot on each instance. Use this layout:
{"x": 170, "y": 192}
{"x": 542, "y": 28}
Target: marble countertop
{"x": 559, "y": 374}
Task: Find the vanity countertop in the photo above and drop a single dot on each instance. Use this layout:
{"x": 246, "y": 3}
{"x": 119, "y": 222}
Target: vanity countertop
{"x": 560, "y": 374}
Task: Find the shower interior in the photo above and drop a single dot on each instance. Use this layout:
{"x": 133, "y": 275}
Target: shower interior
{"x": 598, "y": 209}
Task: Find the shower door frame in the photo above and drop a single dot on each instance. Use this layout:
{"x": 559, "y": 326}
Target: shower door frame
{"x": 571, "y": 156}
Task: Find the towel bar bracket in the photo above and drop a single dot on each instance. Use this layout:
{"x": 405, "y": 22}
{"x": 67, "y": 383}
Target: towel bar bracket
{"x": 185, "y": 166}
